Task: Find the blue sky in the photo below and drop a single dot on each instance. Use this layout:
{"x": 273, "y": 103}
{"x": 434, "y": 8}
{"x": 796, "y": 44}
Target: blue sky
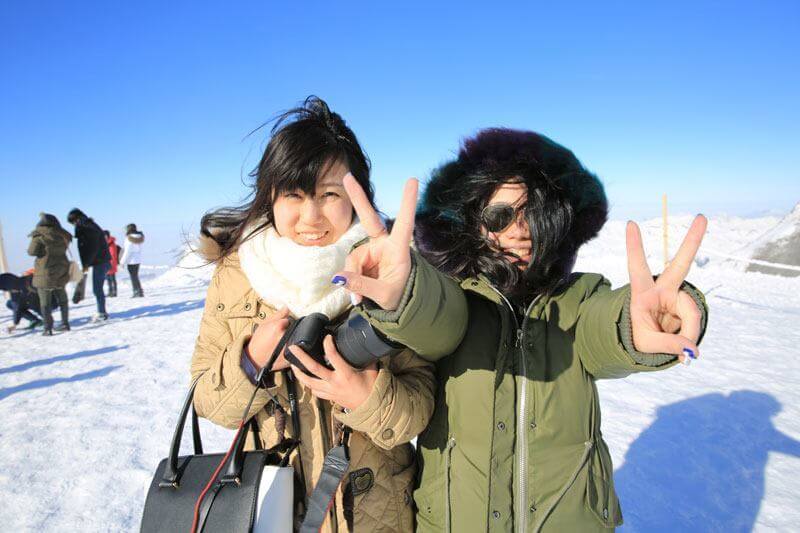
{"x": 139, "y": 112}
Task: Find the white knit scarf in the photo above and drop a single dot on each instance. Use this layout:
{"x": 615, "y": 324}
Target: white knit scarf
{"x": 284, "y": 273}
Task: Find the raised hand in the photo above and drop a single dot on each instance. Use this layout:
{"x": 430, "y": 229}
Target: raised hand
{"x": 664, "y": 319}
{"x": 379, "y": 269}
{"x": 343, "y": 385}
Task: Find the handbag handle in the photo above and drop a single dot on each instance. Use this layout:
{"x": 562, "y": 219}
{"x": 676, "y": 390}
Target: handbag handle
{"x": 171, "y": 474}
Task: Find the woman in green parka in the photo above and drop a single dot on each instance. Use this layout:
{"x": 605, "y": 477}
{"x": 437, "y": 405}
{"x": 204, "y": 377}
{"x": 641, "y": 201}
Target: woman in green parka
{"x": 49, "y": 245}
{"x": 519, "y": 339}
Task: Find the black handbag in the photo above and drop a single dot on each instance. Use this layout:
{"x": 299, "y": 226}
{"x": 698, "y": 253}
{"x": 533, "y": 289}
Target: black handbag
{"x": 209, "y": 492}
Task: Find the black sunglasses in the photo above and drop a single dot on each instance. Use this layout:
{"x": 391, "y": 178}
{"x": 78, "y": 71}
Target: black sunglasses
{"x": 498, "y": 217}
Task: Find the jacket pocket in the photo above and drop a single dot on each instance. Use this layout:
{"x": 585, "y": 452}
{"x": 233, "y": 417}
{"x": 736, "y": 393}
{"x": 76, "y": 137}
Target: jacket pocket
{"x": 601, "y": 498}
{"x": 430, "y": 505}
{"x": 432, "y": 498}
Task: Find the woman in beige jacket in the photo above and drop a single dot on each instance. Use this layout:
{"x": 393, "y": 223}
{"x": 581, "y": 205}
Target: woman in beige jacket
{"x": 275, "y": 257}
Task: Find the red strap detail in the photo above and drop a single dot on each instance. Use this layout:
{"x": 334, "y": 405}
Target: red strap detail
{"x": 211, "y": 481}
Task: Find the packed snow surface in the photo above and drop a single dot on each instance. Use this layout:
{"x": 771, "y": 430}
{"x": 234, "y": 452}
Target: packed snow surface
{"x": 86, "y": 416}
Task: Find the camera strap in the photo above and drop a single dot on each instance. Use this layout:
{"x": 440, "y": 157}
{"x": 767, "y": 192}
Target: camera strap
{"x": 337, "y": 460}
{"x": 334, "y": 468}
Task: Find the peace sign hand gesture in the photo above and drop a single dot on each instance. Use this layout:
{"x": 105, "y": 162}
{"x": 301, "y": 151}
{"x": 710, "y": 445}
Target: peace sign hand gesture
{"x": 664, "y": 319}
{"x": 379, "y": 269}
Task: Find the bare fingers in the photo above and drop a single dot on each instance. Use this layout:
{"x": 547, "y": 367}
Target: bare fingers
{"x": 334, "y": 357}
{"x": 318, "y": 387}
{"x": 367, "y": 214}
{"x": 403, "y": 229}
{"x": 658, "y": 342}
{"x": 690, "y": 316}
{"x": 364, "y": 286}
{"x": 310, "y": 364}
{"x": 679, "y": 267}
{"x": 639, "y": 272}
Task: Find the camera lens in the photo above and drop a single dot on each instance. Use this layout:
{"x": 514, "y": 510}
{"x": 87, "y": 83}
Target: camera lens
{"x": 360, "y": 344}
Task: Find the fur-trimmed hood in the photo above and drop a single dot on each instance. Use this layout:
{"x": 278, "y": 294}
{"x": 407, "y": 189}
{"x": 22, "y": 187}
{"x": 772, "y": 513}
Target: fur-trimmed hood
{"x": 567, "y": 207}
{"x": 207, "y": 249}
{"x": 50, "y": 226}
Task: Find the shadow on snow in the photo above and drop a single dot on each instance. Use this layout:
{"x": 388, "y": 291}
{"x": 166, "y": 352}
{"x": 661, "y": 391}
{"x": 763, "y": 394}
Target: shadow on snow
{"x": 59, "y": 358}
{"x": 43, "y": 383}
{"x": 159, "y": 310}
{"x": 700, "y": 465}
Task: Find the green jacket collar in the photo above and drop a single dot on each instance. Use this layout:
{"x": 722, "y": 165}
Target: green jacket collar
{"x": 481, "y": 285}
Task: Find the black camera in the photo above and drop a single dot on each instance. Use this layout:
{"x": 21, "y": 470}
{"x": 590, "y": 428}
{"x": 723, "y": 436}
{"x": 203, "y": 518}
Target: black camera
{"x": 356, "y": 340}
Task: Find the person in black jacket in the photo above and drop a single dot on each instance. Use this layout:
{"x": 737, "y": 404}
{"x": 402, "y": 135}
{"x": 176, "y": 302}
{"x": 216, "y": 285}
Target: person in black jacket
{"x": 23, "y": 302}
{"x": 94, "y": 253}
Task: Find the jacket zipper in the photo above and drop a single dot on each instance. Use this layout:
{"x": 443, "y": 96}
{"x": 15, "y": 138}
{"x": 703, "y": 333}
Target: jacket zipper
{"x": 522, "y": 441}
{"x": 522, "y": 419}
{"x": 451, "y": 443}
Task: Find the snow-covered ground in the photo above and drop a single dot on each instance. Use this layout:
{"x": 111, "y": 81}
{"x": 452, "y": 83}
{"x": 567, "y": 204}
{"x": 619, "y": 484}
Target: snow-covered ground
{"x": 86, "y": 416}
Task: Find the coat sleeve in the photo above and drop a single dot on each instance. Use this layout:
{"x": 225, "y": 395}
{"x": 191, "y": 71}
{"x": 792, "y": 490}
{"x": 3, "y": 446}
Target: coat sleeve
{"x": 126, "y": 252}
{"x": 603, "y": 338}
{"x": 223, "y": 389}
{"x": 400, "y": 404}
{"x": 84, "y": 251}
{"x": 432, "y": 316}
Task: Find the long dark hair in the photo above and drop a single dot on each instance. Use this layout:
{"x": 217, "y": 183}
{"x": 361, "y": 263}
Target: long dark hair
{"x": 305, "y": 142}
{"x": 566, "y": 206}
{"x": 131, "y": 228}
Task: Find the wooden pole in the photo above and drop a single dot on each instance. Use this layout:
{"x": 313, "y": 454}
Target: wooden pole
{"x": 666, "y": 229}
{"x": 3, "y": 259}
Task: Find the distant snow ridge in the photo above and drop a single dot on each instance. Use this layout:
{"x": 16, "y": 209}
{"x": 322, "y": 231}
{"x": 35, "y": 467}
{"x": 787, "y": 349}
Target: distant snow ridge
{"x": 725, "y": 244}
{"x": 781, "y": 245}
{"x": 190, "y": 271}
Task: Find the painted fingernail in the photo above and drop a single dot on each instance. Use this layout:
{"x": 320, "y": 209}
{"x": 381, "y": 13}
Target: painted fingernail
{"x": 688, "y": 352}
{"x": 686, "y": 361}
{"x": 355, "y": 299}
{"x": 339, "y": 281}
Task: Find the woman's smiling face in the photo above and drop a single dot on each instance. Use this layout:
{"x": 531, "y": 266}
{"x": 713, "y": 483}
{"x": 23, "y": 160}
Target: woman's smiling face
{"x": 515, "y": 239}
{"x": 317, "y": 220}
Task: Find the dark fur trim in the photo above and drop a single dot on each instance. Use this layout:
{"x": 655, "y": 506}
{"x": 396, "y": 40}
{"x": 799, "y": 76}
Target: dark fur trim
{"x": 567, "y": 204}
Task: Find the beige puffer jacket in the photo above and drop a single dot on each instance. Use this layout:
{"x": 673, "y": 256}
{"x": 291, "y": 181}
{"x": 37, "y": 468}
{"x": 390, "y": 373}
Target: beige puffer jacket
{"x": 376, "y": 493}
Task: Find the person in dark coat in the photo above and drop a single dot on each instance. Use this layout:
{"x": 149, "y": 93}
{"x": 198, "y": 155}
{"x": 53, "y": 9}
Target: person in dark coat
{"x": 113, "y": 250}
{"x": 23, "y": 301}
{"x": 49, "y": 244}
{"x": 94, "y": 253}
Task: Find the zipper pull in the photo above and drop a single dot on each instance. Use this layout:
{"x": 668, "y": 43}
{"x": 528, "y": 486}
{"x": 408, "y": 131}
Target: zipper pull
{"x": 519, "y": 338}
